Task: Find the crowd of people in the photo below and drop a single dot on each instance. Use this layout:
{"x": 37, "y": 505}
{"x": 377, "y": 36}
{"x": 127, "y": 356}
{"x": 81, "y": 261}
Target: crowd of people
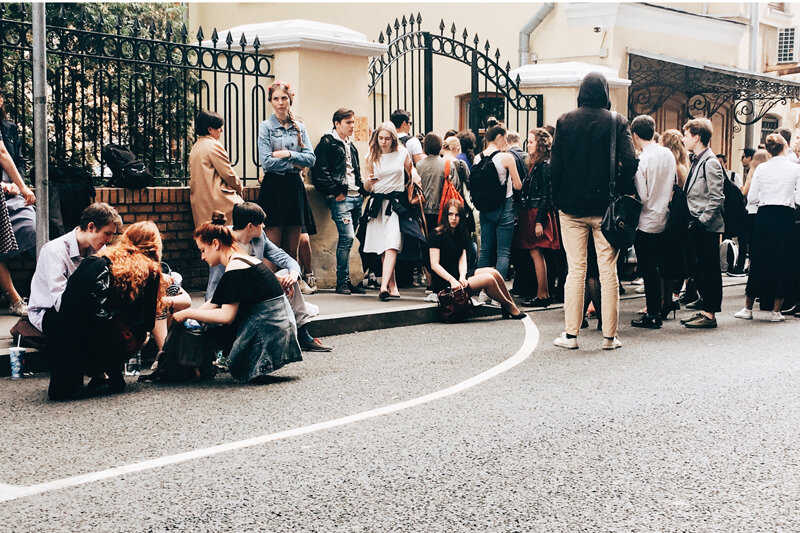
{"x": 411, "y": 205}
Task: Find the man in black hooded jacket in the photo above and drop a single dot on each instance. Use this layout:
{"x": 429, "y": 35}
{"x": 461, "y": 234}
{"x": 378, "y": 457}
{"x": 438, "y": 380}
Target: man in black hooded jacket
{"x": 580, "y": 169}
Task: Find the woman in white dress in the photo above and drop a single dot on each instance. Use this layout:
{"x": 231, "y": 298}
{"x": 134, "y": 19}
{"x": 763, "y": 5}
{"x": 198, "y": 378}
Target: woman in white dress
{"x": 387, "y": 164}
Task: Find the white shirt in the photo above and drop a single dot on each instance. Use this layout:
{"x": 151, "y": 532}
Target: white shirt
{"x": 654, "y": 179}
{"x": 775, "y": 182}
{"x": 350, "y": 173}
{"x": 58, "y": 260}
{"x": 413, "y": 146}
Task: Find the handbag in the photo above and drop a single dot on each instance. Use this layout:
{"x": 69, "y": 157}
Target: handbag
{"x": 455, "y": 305}
{"x": 678, "y": 216}
{"x": 622, "y": 215}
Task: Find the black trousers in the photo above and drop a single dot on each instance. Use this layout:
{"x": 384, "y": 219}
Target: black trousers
{"x": 707, "y": 275}
{"x": 650, "y": 249}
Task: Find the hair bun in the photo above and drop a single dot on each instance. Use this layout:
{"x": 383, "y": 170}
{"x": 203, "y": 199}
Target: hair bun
{"x": 218, "y": 218}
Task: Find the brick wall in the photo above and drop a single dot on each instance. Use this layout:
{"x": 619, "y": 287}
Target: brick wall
{"x": 169, "y": 208}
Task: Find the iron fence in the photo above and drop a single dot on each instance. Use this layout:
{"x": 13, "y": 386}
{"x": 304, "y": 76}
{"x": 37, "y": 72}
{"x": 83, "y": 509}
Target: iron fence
{"x": 402, "y": 78}
{"x": 141, "y": 87}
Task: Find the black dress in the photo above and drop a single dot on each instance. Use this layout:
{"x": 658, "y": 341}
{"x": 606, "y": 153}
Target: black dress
{"x": 450, "y": 249}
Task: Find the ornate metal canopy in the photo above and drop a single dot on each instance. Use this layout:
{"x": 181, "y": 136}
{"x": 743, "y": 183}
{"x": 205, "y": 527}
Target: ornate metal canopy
{"x": 654, "y": 78}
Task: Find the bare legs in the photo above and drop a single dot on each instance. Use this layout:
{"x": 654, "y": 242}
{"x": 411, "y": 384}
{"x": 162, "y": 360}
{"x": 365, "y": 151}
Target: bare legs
{"x": 304, "y": 254}
{"x": 287, "y": 237}
{"x": 490, "y": 281}
{"x": 8, "y": 285}
{"x": 540, "y": 266}
{"x": 388, "y": 281}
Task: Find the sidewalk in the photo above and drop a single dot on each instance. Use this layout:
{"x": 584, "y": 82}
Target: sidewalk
{"x": 339, "y": 315}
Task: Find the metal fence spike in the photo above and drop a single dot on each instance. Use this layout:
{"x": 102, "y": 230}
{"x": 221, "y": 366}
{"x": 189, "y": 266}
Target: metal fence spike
{"x": 168, "y": 30}
{"x": 62, "y": 15}
{"x": 508, "y": 66}
{"x": 476, "y": 40}
{"x": 497, "y": 54}
{"x": 152, "y": 29}
{"x": 256, "y": 43}
{"x": 518, "y": 80}
{"x": 184, "y": 32}
{"x": 82, "y": 16}
{"x": 465, "y": 35}
{"x": 411, "y": 21}
{"x": 388, "y": 31}
{"x": 229, "y": 39}
{"x": 419, "y": 19}
{"x": 100, "y": 21}
{"x": 453, "y": 30}
{"x": 2, "y": 8}
{"x": 404, "y": 22}
{"x": 441, "y": 26}
{"x": 200, "y": 35}
{"x": 136, "y": 28}
{"x": 214, "y": 36}
{"x": 396, "y": 24}
{"x": 487, "y": 46}
{"x": 381, "y": 38}
{"x": 118, "y": 25}
{"x": 242, "y": 40}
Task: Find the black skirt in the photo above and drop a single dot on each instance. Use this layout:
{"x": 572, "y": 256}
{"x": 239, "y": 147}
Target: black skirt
{"x": 283, "y": 198}
{"x": 771, "y": 253}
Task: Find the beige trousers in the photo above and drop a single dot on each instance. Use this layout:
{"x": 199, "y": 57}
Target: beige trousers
{"x": 575, "y": 239}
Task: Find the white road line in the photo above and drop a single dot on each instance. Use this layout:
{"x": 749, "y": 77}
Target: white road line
{"x": 14, "y": 492}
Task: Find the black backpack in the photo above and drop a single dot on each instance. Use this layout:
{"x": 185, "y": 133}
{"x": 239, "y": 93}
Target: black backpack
{"x": 127, "y": 170}
{"x": 186, "y": 356}
{"x": 485, "y": 189}
{"x": 734, "y": 213}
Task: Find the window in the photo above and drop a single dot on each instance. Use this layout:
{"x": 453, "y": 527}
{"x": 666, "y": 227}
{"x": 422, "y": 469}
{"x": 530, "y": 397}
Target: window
{"x": 786, "y": 45}
{"x": 768, "y": 125}
{"x": 777, "y": 6}
{"x": 489, "y": 105}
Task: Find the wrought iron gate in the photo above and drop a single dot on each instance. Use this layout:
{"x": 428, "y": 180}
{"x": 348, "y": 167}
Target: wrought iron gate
{"x": 404, "y": 75}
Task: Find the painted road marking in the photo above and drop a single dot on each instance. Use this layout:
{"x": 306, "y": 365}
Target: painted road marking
{"x": 14, "y": 492}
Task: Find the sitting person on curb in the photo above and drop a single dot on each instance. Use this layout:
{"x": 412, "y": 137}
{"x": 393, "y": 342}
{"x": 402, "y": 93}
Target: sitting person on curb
{"x": 448, "y": 250}
{"x": 248, "y": 231}
{"x": 259, "y": 333}
{"x": 59, "y": 258}
{"x": 107, "y": 308}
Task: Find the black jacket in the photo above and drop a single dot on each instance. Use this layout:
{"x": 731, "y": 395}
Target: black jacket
{"x": 329, "y": 171}
{"x": 537, "y": 191}
{"x": 579, "y": 164}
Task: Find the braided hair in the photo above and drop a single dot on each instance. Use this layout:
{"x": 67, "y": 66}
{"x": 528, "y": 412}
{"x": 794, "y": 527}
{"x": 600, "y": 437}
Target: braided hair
{"x": 285, "y": 87}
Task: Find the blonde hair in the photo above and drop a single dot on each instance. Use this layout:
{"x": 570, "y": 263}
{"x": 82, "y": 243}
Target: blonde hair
{"x": 374, "y": 148}
{"x": 452, "y": 143}
{"x": 285, "y": 87}
{"x": 761, "y": 156}
{"x": 673, "y": 140}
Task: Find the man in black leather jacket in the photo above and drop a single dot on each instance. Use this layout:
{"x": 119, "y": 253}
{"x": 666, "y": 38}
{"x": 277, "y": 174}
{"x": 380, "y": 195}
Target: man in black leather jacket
{"x": 580, "y": 172}
{"x": 337, "y": 175}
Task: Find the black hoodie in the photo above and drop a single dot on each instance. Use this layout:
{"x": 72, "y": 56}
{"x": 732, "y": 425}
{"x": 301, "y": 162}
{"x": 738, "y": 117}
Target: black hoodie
{"x": 580, "y": 165}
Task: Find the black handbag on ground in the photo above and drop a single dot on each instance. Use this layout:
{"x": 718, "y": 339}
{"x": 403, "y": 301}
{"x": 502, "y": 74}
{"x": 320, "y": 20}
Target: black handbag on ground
{"x": 455, "y": 305}
{"x": 622, "y": 216}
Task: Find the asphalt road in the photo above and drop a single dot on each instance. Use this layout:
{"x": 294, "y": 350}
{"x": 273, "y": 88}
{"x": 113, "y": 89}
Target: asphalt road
{"x": 677, "y": 431}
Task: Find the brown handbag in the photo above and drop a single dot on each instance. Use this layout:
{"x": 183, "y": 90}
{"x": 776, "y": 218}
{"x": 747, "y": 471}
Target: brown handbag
{"x": 455, "y": 305}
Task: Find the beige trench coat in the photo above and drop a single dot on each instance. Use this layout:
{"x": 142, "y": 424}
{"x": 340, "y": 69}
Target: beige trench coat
{"x": 214, "y": 185}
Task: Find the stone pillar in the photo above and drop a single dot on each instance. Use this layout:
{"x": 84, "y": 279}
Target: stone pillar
{"x": 327, "y": 68}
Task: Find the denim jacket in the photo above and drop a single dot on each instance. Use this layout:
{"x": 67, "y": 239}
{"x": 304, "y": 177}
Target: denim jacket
{"x": 272, "y": 133}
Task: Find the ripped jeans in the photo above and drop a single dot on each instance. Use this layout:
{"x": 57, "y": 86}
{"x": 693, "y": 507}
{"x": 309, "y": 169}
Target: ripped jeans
{"x": 345, "y": 214}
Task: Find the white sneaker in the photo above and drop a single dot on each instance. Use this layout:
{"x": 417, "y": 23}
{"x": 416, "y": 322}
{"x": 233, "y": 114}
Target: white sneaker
{"x": 611, "y": 344}
{"x": 312, "y": 310}
{"x": 19, "y": 308}
{"x": 745, "y": 314}
{"x": 432, "y": 297}
{"x": 563, "y": 342}
{"x": 305, "y": 288}
{"x": 484, "y": 298}
{"x": 777, "y": 317}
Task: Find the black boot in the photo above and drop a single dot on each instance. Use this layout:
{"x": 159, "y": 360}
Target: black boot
{"x": 647, "y": 321}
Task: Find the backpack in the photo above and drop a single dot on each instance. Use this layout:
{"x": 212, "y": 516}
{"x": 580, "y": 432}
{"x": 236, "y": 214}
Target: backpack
{"x": 485, "y": 189}
{"x": 449, "y": 191}
{"x": 127, "y": 170}
{"x": 188, "y": 355}
{"x": 734, "y": 213}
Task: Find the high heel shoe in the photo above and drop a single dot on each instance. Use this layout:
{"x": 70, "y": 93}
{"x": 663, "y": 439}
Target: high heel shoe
{"x": 508, "y": 315}
{"x": 673, "y": 308}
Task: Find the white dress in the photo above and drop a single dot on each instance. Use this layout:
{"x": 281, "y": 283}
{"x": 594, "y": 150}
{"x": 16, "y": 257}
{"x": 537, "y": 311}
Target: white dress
{"x": 383, "y": 232}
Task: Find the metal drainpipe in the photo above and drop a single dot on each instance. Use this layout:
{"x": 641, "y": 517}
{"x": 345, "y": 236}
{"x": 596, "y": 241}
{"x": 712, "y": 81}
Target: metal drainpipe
{"x": 754, "y": 7}
{"x": 527, "y": 29}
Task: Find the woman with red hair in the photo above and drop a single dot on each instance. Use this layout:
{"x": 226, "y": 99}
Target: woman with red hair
{"x": 111, "y": 301}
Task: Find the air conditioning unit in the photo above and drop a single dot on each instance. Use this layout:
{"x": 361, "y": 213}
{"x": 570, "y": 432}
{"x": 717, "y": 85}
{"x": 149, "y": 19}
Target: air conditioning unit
{"x": 787, "y": 45}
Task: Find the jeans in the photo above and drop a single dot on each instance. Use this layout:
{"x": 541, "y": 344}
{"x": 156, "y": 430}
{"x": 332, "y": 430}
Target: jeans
{"x": 345, "y": 214}
{"x": 575, "y": 239}
{"x": 497, "y": 231}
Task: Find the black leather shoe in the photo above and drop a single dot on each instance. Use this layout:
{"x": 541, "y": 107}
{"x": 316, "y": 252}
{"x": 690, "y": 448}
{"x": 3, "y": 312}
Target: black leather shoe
{"x": 647, "y": 322}
{"x": 343, "y": 288}
{"x": 356, "y": 289}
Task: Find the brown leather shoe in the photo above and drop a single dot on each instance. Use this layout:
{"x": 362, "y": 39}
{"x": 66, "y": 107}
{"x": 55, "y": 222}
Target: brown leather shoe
{"x": 314, "y": 346}
{"x": 702, "y": 322}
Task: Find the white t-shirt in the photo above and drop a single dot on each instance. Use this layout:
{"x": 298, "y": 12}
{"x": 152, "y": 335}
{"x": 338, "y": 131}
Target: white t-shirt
{"x": 413, "y": 146}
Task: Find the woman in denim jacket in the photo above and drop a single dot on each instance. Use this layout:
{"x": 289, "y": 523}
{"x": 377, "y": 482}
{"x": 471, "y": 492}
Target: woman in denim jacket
{"x": 284, "y": 150}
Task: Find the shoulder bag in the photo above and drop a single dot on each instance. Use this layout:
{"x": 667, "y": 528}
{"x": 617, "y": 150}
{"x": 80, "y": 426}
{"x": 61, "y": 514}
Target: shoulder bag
{"x": 455, "y": 305}
{"x": 622, "y": 216}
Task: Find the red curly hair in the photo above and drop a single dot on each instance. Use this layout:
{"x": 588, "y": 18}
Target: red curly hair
{"x": 135, "y": 260}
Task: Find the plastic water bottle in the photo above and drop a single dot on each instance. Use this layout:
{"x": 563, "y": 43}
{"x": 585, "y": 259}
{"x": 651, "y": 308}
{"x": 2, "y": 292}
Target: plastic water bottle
{"x": 134, "y": 365}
